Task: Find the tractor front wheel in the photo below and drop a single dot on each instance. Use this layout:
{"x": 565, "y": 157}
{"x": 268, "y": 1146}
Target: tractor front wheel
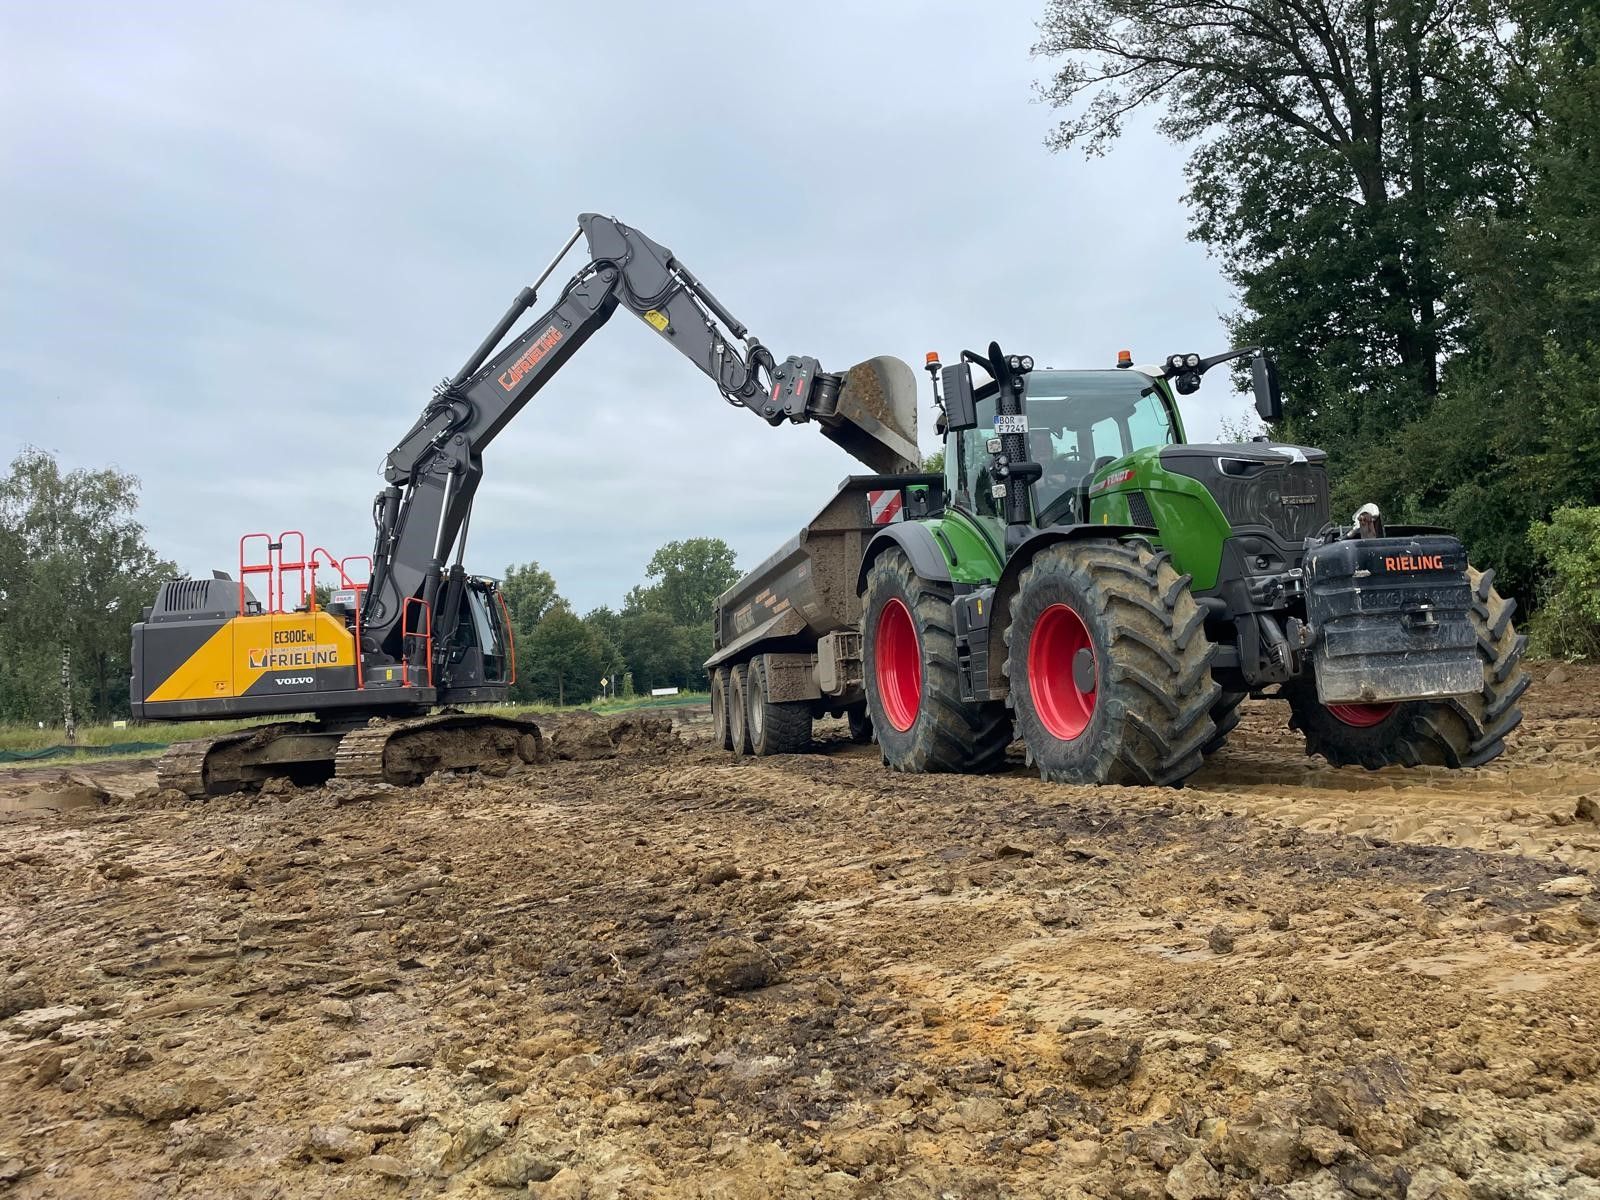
{"x": 1462, "y": 731}
{"x": 913, "y": 689}
{"x": 1109, "y": 666}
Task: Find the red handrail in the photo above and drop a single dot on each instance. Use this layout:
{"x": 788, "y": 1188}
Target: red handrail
{"x": 247, "y": 569}
{"x": 511, "y": 638}
{"x": 407, "y": 633}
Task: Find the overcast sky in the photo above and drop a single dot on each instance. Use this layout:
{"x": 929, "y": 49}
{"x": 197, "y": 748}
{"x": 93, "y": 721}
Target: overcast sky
{"x": 239, "y": 245}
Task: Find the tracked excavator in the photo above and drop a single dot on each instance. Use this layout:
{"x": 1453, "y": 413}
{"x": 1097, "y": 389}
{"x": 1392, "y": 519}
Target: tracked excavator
{"x": 408, "y": 631}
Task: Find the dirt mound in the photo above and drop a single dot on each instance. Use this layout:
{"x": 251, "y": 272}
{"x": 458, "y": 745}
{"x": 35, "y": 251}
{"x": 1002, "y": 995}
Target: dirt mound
{"x": 585, "y": 736}
{"x": 679, "y": 974}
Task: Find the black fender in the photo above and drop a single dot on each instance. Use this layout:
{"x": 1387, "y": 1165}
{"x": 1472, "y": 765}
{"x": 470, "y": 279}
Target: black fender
{"x": 1006, "y": 589}
{"x": 919, "y": 545}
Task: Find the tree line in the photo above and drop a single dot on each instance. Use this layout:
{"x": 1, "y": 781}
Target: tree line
{"x": 77, "y": 570}
{"x": 659, "y": 638}
{"x": 1406, "y": 196}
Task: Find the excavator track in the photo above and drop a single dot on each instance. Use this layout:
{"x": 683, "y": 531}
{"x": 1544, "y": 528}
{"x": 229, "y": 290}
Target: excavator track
{"x": 228, "y": 762}
{"x": 397, "y": 751}
{"x": 405, "y": 752}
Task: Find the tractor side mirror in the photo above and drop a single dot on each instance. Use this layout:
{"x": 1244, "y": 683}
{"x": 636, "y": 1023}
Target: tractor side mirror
{"x": 960, "y": 408}
{"x": 1264, "y": 380}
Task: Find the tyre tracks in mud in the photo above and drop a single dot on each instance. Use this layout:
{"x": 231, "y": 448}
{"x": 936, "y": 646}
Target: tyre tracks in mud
{"x": 679, "y": 974}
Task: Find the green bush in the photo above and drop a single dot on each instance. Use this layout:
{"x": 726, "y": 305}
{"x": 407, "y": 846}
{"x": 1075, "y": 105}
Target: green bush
{"x": 1567, "y": 624}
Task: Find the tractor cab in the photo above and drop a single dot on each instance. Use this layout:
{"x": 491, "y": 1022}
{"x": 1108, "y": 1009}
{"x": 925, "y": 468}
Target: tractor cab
{"x": 1076, "y": 425}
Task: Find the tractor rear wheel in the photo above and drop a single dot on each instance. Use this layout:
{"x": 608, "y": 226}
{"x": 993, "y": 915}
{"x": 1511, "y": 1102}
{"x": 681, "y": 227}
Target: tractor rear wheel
{"x": 776, "y": 727}
{"x": 1462, "y": 731}
{"x": 721, "y": 728}
{"x": 1109, "y": 666}
{"x": 739, "y": 708}
{"x": 913, "y": 688}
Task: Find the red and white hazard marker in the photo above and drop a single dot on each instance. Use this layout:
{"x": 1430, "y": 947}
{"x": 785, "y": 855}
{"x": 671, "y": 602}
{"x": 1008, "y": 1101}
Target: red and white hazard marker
{"x": 886, "y": 506}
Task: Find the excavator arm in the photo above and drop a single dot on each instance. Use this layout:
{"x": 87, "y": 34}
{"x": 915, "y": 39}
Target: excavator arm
{"x": 422, "y": 515}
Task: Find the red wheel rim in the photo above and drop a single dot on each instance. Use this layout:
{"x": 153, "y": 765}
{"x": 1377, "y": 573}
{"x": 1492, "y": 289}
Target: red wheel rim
{"x": 1360, "y": 716}
{"x": 1058, "y": 637}
{"x": 897, "y": 664}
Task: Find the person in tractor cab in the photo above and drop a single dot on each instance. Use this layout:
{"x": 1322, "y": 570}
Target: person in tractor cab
{"x": 1063, "y": 469}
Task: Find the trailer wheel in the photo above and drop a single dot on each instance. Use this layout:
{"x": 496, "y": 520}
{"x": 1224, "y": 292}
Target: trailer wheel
{"x": 721, "y": 728}
{"x": 1225, "y": 716}
{"x": 1463, "y": 731}
{"x": 860, "y": 724}
{"x": 776, "y": 727}
{"x": 1110, "y": 666}
{"x": 913, "y": 689}
{"x": 739, "y": 708}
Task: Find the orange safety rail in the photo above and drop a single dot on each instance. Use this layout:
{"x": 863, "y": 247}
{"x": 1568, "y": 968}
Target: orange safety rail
{"x": 407, "y": 633}
{"x": 273, "y": 566}
{"x": 344, "y": 571}
{"x": 511, "y": 638}
{"x": 360, "y": 678}
{"x": 299, "y": 565}
{"x": 247, "y": 569}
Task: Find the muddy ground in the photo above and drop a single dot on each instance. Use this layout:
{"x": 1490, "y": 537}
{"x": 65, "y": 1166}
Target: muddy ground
{"x": 669, "y": 973}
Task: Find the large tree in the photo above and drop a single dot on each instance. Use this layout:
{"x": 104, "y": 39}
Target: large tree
{"x": 1328, "y": 145}
{"x": 1516, "y": 433}
{"x": 687, "y": 577}
{"x": 75, "y": 573}
{"x": 530, "y": 594}
{"x": 565, "y": 659}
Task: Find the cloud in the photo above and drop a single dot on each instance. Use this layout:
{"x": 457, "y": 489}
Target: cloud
{"x": 243, "y": 242}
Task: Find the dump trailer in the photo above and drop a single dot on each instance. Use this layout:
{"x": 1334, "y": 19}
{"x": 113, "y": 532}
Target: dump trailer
{"x": 408, "y": 629}
{"x": 1083, "y": 578}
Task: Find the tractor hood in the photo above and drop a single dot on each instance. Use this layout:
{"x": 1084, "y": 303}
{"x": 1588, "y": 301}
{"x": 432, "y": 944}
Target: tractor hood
{"x": 1260, "y": 485}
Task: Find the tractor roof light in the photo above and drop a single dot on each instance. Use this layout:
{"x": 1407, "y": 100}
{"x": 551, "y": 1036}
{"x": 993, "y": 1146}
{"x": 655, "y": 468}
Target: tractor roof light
{"x": 1124, "y": 358}
{"x": 1027, "y": 362}
{"x": 1192, "y": 361}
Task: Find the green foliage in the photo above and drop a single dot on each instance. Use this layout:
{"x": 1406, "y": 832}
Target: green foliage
{"x": 688, "y": 577}
{"x": 656, "y": 649}
{"x": 530, "y": 594}
{"x": 75, "y": 572}
{"x": 933, "y": 464}
{"x": 565, "y": 658}
{"x": 529, "y": 590}
{"x": 1568, "y": 546}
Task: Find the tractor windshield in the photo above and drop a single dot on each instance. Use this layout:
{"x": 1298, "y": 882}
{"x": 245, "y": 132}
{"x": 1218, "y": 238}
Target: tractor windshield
{"x": 1078, "y": 421}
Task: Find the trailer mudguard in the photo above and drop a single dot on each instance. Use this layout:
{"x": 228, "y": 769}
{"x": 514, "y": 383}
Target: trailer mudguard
{"x": 920, "y": 546}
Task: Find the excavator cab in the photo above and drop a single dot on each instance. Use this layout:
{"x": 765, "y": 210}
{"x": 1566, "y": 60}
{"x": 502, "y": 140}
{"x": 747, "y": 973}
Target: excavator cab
{"x": 480, "y": 653}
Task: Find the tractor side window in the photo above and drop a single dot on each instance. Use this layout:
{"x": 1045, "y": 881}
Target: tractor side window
{"x": 979, "y": 498}
{"x": 1107, "y": 436}
{"x": 1149, "y": 424}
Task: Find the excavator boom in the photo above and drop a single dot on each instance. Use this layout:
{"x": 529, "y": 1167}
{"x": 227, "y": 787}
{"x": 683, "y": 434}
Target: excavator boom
{"x": 433, "y": 472}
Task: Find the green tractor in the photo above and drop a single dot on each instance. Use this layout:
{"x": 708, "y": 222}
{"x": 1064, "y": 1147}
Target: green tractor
{"x": 1084, "y": 578}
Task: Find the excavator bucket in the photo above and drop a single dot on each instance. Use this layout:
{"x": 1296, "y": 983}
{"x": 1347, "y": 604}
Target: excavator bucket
{"x": 875, "y": 417}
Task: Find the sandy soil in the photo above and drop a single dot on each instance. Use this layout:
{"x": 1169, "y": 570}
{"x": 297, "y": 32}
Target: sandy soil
{"x": 669, "y": 973}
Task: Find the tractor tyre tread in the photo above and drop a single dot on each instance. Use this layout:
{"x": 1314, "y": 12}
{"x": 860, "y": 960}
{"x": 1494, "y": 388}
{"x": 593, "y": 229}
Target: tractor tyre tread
{"x": 1155, "y": 687}
{"x": 949, "y": 735}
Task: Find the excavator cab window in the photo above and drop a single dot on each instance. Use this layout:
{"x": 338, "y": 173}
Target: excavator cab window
{"x": 486, "y": 614}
